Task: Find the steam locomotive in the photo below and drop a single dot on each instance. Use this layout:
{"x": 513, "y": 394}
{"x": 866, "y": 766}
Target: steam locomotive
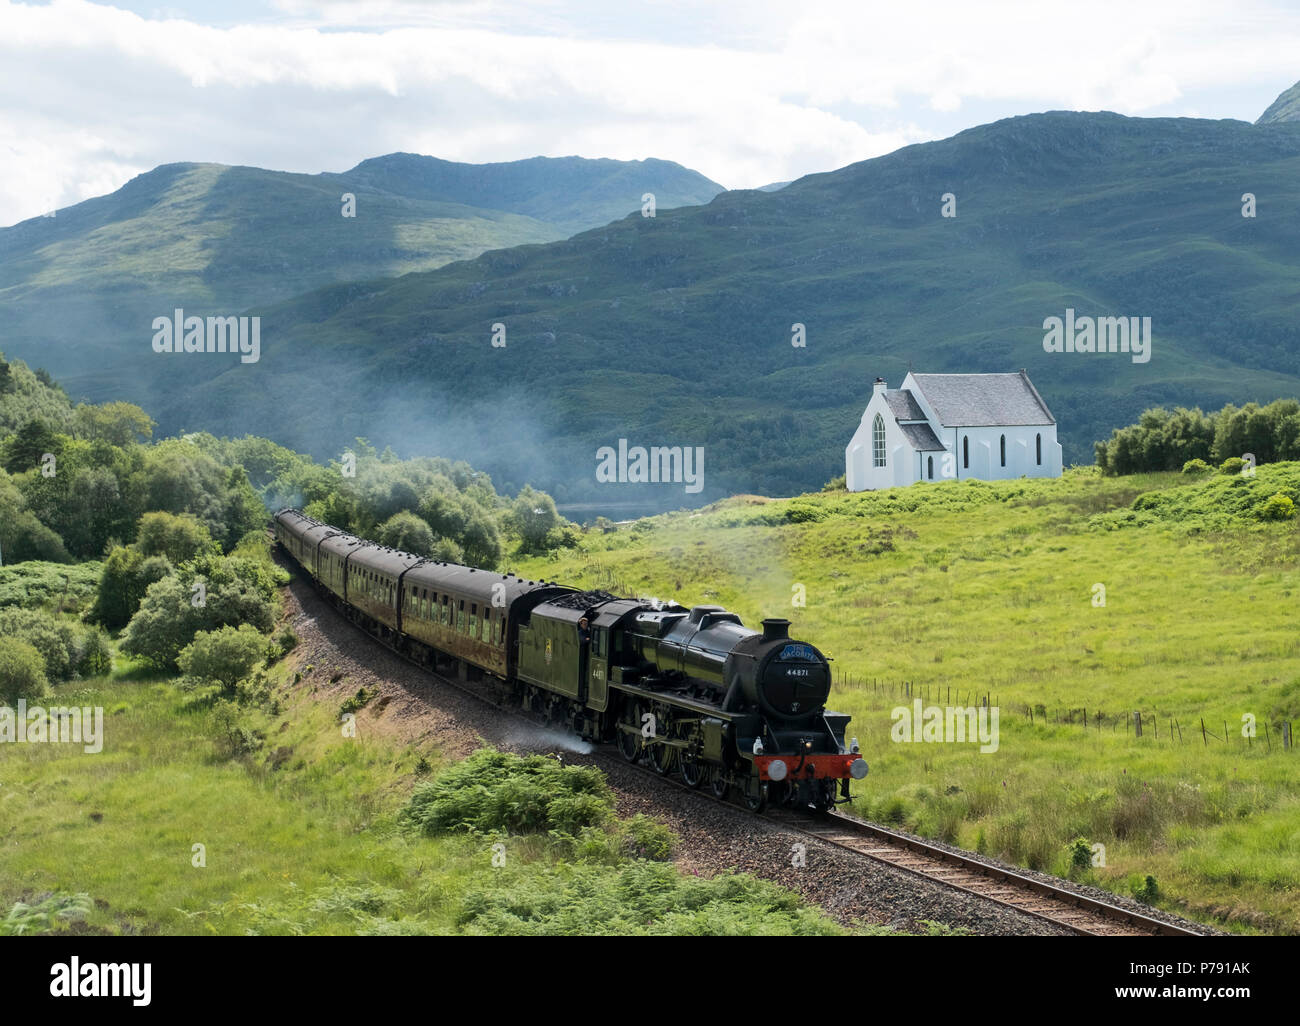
{"x": 691, "y": 691}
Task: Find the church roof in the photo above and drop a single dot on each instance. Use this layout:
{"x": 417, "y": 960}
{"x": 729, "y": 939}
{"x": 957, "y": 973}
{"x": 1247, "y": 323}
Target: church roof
{"x": 903, "y": 405}
{"x": 983, "y": 400}
{"x": 921, "y": 437}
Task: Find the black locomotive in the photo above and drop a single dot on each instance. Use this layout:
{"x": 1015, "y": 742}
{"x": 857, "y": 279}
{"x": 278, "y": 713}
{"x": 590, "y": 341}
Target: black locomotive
{"x": 691, "y": 691}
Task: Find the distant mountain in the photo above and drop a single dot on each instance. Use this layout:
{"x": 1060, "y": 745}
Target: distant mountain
{"x": 80, "y": 289}
{"x": 677, "y": 330}
{"x": 1285, "y": 108}
{"x": 773, "y": 186}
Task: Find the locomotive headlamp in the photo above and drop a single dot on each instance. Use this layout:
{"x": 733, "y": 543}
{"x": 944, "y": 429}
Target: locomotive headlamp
{"x": 853, "y": 747}
{"x": 758, "y": 746}
{"x": 776, "y": 770}
{"x": 807, "y": 744}
{"x": 858, "y": 769}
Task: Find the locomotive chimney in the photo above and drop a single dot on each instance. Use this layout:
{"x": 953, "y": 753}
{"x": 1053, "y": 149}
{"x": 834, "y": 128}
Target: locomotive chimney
{"x": 775, "y": 629}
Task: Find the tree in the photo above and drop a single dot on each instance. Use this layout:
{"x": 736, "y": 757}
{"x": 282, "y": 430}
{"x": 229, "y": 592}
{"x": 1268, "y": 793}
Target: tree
{"x": 29, "y": 444}
{"x": 408, "y": 532}
{"x": 22, "y": 535}
{"x": 230, "y": 591}
{"x": 226, "y": 655}
{"x": 534, "y": 516}
{"x": 22, "y": 672}
{"x": 123, "y": 583}
{"x": 119, "y": 424}
{"x": 178, "y": 536}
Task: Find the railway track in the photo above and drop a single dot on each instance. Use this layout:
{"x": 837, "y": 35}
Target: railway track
{"x": 1052, "y": 903}
{"x": 1034, "y": 897}
{"x": 1049, "y": 902}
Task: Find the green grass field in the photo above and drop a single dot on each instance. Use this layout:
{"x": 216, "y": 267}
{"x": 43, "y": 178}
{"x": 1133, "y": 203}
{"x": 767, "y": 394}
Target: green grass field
{"x": 304, "y": 835}
{"x": 989, "y": 589}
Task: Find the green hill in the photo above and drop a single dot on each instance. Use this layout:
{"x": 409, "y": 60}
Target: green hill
{"x": 79, "y": 290}
{"x": 676, "y": 330}
{"x": 1285, "y": 108}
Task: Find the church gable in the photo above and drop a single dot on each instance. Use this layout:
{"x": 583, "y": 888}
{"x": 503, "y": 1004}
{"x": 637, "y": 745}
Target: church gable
{"x": 984, "y": 426}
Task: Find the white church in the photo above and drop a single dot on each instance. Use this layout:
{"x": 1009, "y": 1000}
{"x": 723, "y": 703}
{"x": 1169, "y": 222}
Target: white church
{"x": 944, "y": 426}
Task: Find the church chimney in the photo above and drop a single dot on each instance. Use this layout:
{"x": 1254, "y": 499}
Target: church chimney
{"x": 880, "y": 384}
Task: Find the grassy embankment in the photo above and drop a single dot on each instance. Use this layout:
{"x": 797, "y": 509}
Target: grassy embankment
{"x": 989, "y": 588}
{"x": 304, "y": 831}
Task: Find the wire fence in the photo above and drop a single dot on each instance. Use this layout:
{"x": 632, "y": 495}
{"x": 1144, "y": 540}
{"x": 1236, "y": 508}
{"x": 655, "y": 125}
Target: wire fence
{"x": 1251, "y": 732}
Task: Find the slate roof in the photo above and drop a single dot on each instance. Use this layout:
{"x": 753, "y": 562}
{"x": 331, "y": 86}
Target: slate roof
{"x": 903, "y": 405}
{"x": 921, "y": 437}
{"x": 983, "y": 400}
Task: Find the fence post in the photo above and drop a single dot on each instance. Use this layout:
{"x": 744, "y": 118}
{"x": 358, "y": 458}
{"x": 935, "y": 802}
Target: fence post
{"x": 1267, "y": 740}
{"x": 1137, "y": 723}
{"x": 1203, "y": 737}
{"x": 1286, "y": 734}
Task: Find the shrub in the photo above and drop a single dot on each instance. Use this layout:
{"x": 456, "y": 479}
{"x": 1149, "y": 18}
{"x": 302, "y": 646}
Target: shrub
{"x": 494, "y": 790}
{"x": 59, "y": 642}
{"x": 1147, "y": 891}
{"x": 22, "y": 671}
{"x": 357, "y": 701}
{"x": 229, "y": 735}
{"x": 1196, "y": 466}
{"x": 1277, "y": 507}
{"x": 284, "y": 644}
{"x": 36, "y": 584}
{"x": 1232, "y": 465}
{"x": 96, "y": 654}
{"x": 225, "y": 656}
{"x": 235, "y": 591}
{"x": 645, "y": 838}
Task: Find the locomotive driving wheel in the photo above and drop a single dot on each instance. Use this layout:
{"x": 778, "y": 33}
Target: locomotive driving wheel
{"x": 756, "y": 800}
{"x": 662, "y": 755}
{"x": 691, "y": 769}
{"x": 629, "y": 733}
{"x": 718, "y": 783}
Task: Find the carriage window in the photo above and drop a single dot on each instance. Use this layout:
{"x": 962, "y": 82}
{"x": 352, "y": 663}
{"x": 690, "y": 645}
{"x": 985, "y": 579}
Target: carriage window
{"x": 445, "y": 607}
{"x": 460, "y": 616}
{"x": 473, "y": 620}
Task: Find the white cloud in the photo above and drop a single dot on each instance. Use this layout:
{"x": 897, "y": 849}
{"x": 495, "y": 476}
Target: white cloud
{"x": 746, "y": 93}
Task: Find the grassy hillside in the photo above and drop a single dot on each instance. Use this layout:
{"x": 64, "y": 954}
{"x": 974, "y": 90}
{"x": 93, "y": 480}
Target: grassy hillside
{"x": 967, "y": 589}
{"x": 676, "y": 330}
{"x": 300, "y": 830}
{"x": 80, "y": 289}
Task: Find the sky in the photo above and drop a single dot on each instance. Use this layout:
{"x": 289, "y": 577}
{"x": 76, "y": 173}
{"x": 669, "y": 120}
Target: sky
{"x": 747, "y": 92}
